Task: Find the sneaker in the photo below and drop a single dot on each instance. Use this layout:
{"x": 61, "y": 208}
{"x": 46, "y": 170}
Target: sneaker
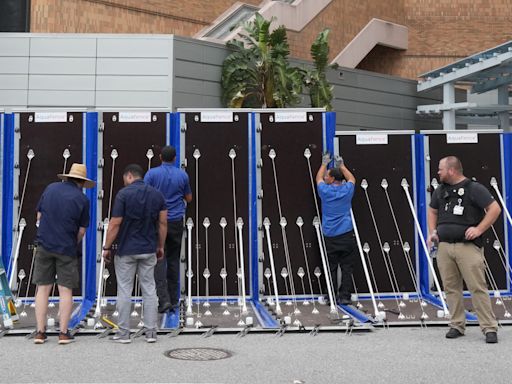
{"x": 122, "y": 337}
{"x": 150, "y": 336}
{"x": 165, "y": 307}
{"x": 66, "y": 338}
{"x": 453, "y": 333}
{"x": 40, "y": 337}
{"x": 491, "y": 337}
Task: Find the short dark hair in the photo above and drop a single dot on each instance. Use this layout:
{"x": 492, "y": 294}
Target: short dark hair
{"x": 135, "y": 169}
{"x": 168, "y": 153}
{"x": 336, "y": 173}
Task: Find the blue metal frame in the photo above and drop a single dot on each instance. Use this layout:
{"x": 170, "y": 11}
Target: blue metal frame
{"x": 7, "y": 188}
{"x": 253, "y": 211}
{"x": 171, "y": 320}
{"x": 90, "y": 156}
{"x": 507, "y": 172}
{"x": 330, "y": 131}
{"x": 174, "y": 134}
{"x": 421, "y": 210}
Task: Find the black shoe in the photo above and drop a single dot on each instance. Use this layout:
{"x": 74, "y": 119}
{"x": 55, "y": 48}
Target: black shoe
{"x": 164, "y": 307}
{"x": 453, "y": 333}
{"x": 491, "y": 337}
{"x": 345, "y": 301}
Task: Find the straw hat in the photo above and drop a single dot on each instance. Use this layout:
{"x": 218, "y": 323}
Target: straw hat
{"x": 78, "y": 171}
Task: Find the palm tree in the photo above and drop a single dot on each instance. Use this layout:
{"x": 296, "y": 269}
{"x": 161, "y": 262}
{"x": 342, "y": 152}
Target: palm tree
{"x": 320, "y": 91}
{"x": 257, "y": 73}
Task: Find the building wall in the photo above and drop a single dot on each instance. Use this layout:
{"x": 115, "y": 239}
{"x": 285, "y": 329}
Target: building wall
{"x": 440, "y": 31}
{"x": 90, "y": 71}
{"x": 161, "y": 71}
{"x": 126, "y": 16}
{"x": 363, "y": 100}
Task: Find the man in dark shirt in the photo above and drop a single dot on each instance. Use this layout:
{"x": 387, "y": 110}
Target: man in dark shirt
{"x": 62, "y": 217}
{"x": 174, "y": 185}
{"x": 139, "y": 223}
{"x": 460, "y": 211}
{"x": 336, "y": 189}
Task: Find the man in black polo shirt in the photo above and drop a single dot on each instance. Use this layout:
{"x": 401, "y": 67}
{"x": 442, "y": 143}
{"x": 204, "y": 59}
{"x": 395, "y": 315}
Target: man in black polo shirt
{"x": 62, "y": 217}
{"x": 139, "y": 223}
{"x": 460, "y": 211}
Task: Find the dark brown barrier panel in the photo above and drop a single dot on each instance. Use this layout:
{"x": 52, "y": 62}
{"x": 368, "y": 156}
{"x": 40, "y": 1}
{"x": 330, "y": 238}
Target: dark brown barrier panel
{"x": 48, "y": 135}
{"x": 211, "y": 180}
{"x": 131, "y": 134}
{"x": 376, "y": 156}
{"x": 289, "y": 141}
{"x": 481, "y": 160}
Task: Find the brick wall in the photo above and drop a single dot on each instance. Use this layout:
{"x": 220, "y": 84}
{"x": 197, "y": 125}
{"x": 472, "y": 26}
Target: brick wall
{"x": 180, "y": 17}
{"x": 440, "y": 31}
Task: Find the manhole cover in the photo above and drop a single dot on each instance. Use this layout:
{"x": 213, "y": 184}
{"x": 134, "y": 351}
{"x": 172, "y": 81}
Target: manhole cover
{"x": 198, "y": 354}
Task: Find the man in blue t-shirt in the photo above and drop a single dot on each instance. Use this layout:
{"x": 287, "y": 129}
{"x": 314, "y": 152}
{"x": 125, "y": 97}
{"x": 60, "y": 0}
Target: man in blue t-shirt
{"x": 139, "y": 223}
{"x": 336, "y": 189}
{"x": 62, "y": 219}
{"x": 174, "y": 185}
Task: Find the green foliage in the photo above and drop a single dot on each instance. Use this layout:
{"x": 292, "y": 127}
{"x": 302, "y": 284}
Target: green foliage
{"x": 320, "y": 91}
{"x": 257, "y": 73}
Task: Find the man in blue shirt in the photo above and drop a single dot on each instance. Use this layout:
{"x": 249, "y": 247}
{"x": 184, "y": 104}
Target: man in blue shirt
{"x": 62, "y": 219}
{"x": 139, "y": 223}
{"x": 174, "y": 185}
{"x": 336, "y": 189}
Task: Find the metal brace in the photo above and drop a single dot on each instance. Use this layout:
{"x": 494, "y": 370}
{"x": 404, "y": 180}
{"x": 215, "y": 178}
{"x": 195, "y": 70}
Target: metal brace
{"x": 315, "y": 330}
{"x": 244, "y": 331}
{"x": 3, "y": 333}
{"x": 210, "y": 332}
{"x": 175, "y": 332}
{"x": 139, "y": 333}
{"x": 105, "y": 333}
{"x": 31, "y": 335}
{"x": 281, "y": 331}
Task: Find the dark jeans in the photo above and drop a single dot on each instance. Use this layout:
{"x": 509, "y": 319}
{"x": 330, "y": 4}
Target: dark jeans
{"x": 341, "y": 250}
{"x": 167, "y": 271}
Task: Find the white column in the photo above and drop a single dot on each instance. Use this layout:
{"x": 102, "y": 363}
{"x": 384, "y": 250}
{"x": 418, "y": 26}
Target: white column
{"x": 504, "y": 119}
{"x": 449, "y": 99}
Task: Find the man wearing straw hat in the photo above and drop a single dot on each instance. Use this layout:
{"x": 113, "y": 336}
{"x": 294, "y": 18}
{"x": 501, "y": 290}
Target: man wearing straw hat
{"x": 62, "y": 217}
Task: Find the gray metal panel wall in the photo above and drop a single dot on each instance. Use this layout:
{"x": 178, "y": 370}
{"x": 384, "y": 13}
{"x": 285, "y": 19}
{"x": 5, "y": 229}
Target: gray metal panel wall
{"x": 363, "y": 100}
{"x": 86, "y": 70}
{"x": 197, "y": 73}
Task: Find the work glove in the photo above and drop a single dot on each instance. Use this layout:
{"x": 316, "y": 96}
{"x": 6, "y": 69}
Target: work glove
{"x": 326, "y": 158}
{"x": 338, "y": 161}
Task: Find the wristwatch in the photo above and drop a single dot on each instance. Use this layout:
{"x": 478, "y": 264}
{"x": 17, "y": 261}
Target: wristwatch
{"x": 107, "y": 248}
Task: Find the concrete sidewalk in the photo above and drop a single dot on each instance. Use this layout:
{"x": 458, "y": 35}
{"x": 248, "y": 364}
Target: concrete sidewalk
{"x": 397, "y": 355}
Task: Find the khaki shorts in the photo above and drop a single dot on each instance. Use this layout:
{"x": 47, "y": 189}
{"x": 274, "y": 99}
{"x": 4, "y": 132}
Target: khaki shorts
{"x": 48, "y": 264}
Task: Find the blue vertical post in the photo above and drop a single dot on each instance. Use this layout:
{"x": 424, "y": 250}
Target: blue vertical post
{"x": 253, "y": 209}
{"x": 90, "y": 156}
{"x": 330, "y": 131}
{"x": 507, "y": 172}
{"x": 7, "y": 188}
{"x": 171, "y": 319}
{"x": 174, "y": 135}
{"x": 421, "y": 201}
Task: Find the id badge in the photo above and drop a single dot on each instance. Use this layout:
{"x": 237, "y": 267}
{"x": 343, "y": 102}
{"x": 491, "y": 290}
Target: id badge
{"x": 458, "y": 210}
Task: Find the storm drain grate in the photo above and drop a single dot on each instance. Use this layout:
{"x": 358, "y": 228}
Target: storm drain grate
{"x": 198, "y": 354}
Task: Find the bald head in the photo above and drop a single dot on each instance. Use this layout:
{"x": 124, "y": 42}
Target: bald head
{"x": 453, "y": 162}
{"x": 450, "y": 170}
